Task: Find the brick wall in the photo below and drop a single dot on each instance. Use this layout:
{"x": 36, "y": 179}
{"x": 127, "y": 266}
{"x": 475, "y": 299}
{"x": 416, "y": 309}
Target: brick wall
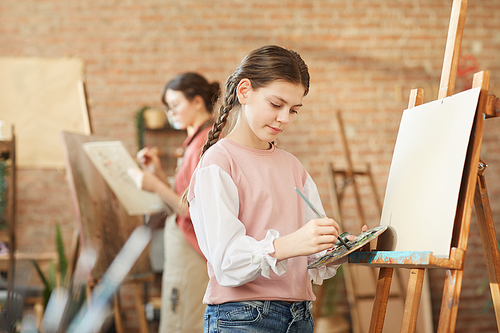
{"x": 364, "y": 57}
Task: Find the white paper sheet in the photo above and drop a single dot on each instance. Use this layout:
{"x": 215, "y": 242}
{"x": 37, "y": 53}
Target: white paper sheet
{"x": 112, "y": 161}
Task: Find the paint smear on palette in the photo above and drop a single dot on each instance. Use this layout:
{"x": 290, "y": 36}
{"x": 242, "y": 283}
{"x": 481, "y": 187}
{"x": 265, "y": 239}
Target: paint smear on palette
{"x": 340, "y": 251}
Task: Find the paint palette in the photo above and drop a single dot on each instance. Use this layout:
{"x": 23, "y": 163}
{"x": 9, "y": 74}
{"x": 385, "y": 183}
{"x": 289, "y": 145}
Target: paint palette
{"x": 340, "y": 251}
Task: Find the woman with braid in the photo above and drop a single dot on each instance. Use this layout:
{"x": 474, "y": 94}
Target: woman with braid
{"x": 255, "y": 231}
{"x": 190, "y": 99}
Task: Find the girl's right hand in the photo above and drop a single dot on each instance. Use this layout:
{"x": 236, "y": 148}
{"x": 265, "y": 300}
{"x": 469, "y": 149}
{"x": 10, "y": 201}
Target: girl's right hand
{"x": 149, "y": 159}
{"x": 315, "y": 236}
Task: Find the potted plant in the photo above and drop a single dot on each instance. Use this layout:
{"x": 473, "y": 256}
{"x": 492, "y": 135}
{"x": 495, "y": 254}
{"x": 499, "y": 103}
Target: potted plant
{"x": 50, "y": 279}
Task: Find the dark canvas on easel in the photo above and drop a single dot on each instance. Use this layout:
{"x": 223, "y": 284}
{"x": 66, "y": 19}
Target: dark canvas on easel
{"x": 104, "y": 223}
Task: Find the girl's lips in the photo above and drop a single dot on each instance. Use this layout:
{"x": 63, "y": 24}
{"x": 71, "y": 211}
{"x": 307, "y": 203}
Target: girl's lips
{"x": 274, "y": 130}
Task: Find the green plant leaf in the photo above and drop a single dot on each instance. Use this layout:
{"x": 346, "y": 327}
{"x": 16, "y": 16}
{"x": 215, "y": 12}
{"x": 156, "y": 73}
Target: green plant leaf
{"x": 63, "y": 262}
{"x": 487, "y": 306}
{"x": 51, "y": 275}
{"x": 41, "y": 275}
{"x": 49, "y": 280}
{"x": 482, "y": 287}
{"x": 48, "y": 286}
{"x": 139, "y": 124}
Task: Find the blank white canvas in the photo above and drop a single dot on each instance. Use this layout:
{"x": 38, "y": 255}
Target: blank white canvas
{"x": 426, "y": 170}
{"x": 112, "y": 161}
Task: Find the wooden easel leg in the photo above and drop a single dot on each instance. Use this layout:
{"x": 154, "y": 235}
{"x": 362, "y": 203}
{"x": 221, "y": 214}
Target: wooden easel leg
{"x": 88, "y": 293}
{"x": 381, "y": 299}
{"x": 456, "y": 298}
{"x": 118, "y": 315}
{"x": 412, "y": 301}
{"x": 449, "y": 303}
{"x": 141, "y": 315}
{"x": 38, "y": 309}
{"x": 489, "y": 240}
{"x": 351, "y": 298}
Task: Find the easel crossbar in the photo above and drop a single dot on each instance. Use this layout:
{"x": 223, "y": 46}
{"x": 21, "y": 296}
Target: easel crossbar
{"x": 405, "y": 259}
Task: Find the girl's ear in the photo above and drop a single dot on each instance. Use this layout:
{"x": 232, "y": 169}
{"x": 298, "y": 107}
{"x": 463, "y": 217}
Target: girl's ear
{"x": 242, "y": 90}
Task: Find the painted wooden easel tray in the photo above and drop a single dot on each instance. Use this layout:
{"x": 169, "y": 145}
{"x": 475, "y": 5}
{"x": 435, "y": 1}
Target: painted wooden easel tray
{"x": 340, "y": 251}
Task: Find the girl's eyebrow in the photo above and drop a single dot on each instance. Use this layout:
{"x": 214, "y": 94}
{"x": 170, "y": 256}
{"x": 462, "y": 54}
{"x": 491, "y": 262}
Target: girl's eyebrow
{"x": 284, "y": 101}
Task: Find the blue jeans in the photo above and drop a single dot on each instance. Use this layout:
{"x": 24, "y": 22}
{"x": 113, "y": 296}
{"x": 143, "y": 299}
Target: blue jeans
{"x": 259, "y": 316}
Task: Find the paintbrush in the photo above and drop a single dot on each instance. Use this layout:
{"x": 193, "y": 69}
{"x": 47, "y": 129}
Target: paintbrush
{"x": 318, "y": 214}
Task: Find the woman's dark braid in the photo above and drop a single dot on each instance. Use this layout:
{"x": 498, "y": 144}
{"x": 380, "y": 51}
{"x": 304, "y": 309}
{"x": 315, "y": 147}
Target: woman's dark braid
{"x": 229, "y": 103}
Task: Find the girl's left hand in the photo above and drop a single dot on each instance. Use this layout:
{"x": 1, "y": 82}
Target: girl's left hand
{"x": 150, "y": 181}
{"x": 352, "y": 238}
{"x": 144, "y": 180}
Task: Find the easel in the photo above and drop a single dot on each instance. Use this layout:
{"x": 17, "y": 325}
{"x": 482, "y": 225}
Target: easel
{"x": 347, "y": 176}
{"x": 103, "y": 221}
{"x": 473, "y": 190}
{"x": 339, "y": 179}
{"x": 8, "y": 151}
{"x": 9, "y": 260}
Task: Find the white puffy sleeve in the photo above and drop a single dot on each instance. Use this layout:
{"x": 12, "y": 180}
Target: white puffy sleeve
{"x": 235, "y": 257}
{"x": 324, "y": 272}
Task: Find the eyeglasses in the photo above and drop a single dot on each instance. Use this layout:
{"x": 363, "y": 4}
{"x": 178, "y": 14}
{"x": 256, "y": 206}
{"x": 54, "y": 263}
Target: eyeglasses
{"x": 167, "y": 110}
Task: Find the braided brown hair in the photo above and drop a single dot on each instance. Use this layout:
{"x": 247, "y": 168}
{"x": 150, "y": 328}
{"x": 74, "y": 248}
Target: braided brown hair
{"x": 261, "y": 66}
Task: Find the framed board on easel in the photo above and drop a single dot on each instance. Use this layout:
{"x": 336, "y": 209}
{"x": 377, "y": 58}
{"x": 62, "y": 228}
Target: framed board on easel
{"x": 105, "y": 225}
{"x": 470, "y": 187}
{"x": 104, "y": 222}
{"x": 42, "y": 96}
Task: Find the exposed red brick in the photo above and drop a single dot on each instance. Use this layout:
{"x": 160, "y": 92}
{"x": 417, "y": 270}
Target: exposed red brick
{"x": 364, "y": 58}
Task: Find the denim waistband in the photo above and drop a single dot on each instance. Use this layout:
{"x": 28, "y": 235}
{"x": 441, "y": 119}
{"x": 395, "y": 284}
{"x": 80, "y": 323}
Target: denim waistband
{"x": 301, "y": 308}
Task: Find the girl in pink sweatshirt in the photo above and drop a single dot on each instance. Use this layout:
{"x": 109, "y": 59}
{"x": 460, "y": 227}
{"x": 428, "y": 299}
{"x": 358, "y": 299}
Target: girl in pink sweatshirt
{"x": 254, "y": 230}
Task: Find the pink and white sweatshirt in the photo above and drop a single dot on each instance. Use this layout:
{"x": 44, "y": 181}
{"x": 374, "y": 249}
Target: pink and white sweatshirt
{"x": 241, "y": 199}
